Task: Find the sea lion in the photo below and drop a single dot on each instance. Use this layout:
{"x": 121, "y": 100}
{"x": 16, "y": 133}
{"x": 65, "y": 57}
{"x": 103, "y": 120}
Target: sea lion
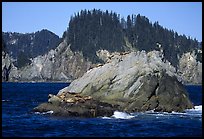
{"x": 53, "y": 99}
{"x": 70, "y": 100}
{"x": 62, "y": 96}
{"x": 87, "y": 97}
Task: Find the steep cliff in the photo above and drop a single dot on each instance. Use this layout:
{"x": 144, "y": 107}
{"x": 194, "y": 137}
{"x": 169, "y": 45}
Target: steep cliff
{"x": 9, "y": 71}
{"x": 190, "y": 69}
{"x": 60, "y": 64}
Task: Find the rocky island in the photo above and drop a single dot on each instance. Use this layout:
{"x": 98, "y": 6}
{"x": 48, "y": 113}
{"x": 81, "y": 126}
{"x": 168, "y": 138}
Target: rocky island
{"x": 128, "y": 82}
{"x": 113, "y": 64}
{"x": 42, "y": 56}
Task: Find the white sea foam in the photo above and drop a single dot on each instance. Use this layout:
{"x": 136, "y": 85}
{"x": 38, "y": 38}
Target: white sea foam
{"x": 48, "y": 112}
{"x": 122, "y": 115}
{"x": 197, "y": 112}
{"x": 3, "y": 100}
{"x": 105, "y": 117}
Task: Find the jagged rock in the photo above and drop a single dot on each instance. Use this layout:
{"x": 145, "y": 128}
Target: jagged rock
{"x": 9, "y": 71}
{"x": 60, "y": 64}
{"x": 133, "y": 78}
{"x": 88, "y": 108}
{"x": 160, "y": 94}
{"x": 130, "y": 82}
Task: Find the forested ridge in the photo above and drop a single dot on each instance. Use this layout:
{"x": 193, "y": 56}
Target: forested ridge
{"x": 92, "y": 30}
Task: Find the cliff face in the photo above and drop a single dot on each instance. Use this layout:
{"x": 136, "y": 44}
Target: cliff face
{"x": 8, "y": 69}
{"x": 60, "y": 64}
{"x": 22, "y": 47}
{"x": 190, "y": 69}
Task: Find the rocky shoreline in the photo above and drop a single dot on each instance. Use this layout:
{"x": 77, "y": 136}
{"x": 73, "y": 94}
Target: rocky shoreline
{"x": 128, "y": 83}
{"x": 76, "y": 106}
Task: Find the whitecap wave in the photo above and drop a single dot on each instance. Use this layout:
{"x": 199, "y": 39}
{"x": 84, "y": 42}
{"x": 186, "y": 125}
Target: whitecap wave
{"x": 48, "y": 112}
{"x": 195, "y": 112}
{"x": 122, "y": 115}
{"x": 119, "y": 115}
{"x": 105, "y": 117}
{"x": 5, "y": 100}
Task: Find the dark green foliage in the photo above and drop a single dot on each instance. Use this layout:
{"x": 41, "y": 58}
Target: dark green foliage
{"x": 22, "y": 60}
{"x": 3, "y": 46}
{"x": 90, "y": 31}
{"x": 144, "y": 35}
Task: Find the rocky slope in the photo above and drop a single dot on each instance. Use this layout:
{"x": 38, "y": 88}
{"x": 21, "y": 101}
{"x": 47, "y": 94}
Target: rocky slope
{"x": 21, "y": 47}
{"x": 9, "y": 71}
{"x": 60, "y": 64}
{"x": 130, "y": 82}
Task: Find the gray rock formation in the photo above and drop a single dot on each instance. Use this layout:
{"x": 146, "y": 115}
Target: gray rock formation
{"x": 136, "y": 76}
{"x": 9, "y": 71}
{"x": 60, "y": 64}
{"x": 190, "y": 69}
{"x": 135, "y": 81}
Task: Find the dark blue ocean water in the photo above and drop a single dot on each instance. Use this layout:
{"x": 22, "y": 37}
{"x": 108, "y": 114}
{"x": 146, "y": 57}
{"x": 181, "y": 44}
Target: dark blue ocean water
{"x": 18, "y": 99}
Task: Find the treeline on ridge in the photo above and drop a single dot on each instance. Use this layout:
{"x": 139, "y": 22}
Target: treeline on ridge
{"x": 93, "y": 30}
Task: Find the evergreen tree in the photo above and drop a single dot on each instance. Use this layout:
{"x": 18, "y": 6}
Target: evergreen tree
{"x": 90, "y": 31}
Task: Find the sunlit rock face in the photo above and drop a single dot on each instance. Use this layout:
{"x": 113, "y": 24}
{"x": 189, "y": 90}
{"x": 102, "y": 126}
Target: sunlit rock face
{"x": 189, "y": 69}
{"x": 136, "y": 81}
{"x": 60, "y": 64}
{"x": 9, "y": 71}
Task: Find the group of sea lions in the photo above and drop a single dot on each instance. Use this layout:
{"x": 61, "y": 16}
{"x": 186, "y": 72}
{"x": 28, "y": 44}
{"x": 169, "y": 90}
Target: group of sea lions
{"x": 68, "y": 97}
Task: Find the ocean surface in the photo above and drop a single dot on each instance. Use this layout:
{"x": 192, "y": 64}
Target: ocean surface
{"x": 18, "y": 99}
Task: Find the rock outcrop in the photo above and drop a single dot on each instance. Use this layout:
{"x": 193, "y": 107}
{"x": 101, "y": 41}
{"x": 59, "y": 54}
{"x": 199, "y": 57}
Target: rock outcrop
{"x": 9, "y": 71}
{"x": 60, "y": 64}
{"x": 190, "y": 69}
{"x": 129, "y": 82}
{"x": 75, "y": 105}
